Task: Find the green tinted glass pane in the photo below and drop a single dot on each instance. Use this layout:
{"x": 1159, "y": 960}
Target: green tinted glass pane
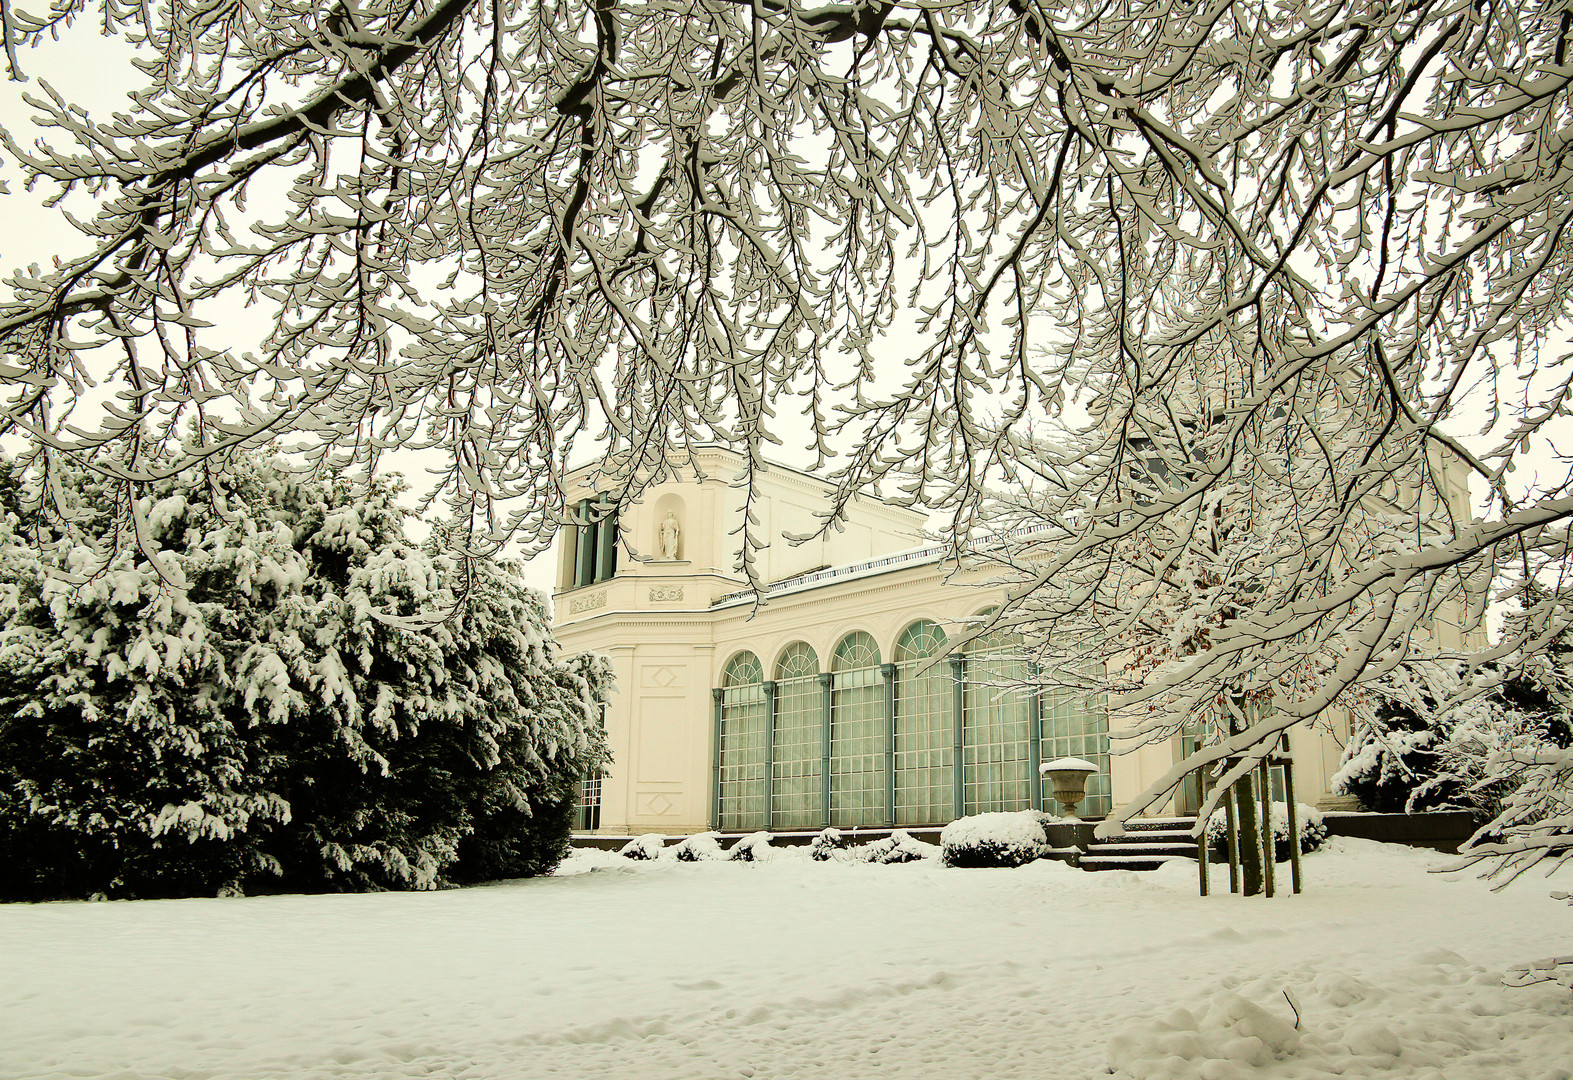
{"x": 996, "y": 756}
{"x": 745, "y": 727}
{"x": 857, "y": 733}
{"x": 796, "y": 785}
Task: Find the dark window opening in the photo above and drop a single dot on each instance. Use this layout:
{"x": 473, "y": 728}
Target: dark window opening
{"x": 587, "y": 814}
{"x": 595, "y": 541}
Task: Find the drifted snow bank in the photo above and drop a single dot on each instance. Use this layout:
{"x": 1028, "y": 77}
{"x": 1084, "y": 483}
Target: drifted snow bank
{"x": 998, "y": 839}
{"x": 1441, "y": 1020}
{"x": 1232, "y": 1030}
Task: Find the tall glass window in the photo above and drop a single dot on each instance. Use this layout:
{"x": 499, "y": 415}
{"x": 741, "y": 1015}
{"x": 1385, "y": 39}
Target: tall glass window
{"x": 799, "y": 756}
{"x": 857, "y": 733}
{"x": 925, "y": 728}
{"x": 996, "y": 748}
{"x": 1076, "y": 724}
{"x": 745, "y": 727}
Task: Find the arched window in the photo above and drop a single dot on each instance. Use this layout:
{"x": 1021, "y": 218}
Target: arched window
{"x": 797, "y": 783}
{"x": 996, "y": 726}
{"x": 925, "y": 728}
{"x": 745, "y": 731}
{"x": 857, "y": 733}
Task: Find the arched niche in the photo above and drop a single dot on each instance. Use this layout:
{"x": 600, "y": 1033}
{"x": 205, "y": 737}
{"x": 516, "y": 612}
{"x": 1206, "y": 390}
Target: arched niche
{"x": 673, "y": 504}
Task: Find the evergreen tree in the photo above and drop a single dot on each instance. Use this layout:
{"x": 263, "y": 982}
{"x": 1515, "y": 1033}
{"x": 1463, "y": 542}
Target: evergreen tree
{"x": 1393, "y": 754}
{"x": 278, "y": 691}
{"x": 1417, "y": 751}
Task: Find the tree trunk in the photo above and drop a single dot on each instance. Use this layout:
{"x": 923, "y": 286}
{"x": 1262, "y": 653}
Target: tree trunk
{"x": 1244, "y": 794}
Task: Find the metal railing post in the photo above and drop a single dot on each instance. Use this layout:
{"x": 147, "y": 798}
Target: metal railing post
{"x": 1201, "y": 836}
{"x": 1232, "y": 821}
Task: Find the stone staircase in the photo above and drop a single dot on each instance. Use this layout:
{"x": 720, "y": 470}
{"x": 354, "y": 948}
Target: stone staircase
{"x": 1148, "y": 843}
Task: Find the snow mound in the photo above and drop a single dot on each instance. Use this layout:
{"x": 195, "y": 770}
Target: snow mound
{"x": 663, "y": 970}
{"x": 644, "y": 847}
{"x": 899, "y": 847}
{"x": 701, "y": 847}
{"x": 1436, "y": 1018}
{"x": 998, "y": 839}
{"x": 755, "y": 847}
{"x": 584, "y": 860}
{"x": 1233, "y": 1037}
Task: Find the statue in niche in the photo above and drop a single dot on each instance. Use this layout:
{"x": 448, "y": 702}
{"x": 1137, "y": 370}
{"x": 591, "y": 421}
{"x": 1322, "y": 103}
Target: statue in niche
{"x": 667, "y": 535}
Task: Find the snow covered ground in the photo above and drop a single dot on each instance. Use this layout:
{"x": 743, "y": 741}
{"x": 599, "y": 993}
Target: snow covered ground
{"x": 789, "y": 968}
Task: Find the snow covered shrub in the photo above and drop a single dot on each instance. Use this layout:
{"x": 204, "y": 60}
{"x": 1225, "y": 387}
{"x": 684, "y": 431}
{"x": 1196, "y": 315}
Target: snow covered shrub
{"x": 701, "y": 847}
{"x": 899, "y": 847}
{"x": 1419, "y": 756}
{"x": 1312, "y": 832}
{"x": 1390, "y": 756}
{"x": 644, "y": 848}
{"x": 998, "y": 839}
{"x": 277, "y": 690}
{"x": 823, "y": 847}
{"x": 755, "y": 847}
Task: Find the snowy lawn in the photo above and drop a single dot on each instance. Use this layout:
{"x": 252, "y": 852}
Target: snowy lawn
{"x": 790, "y": 968}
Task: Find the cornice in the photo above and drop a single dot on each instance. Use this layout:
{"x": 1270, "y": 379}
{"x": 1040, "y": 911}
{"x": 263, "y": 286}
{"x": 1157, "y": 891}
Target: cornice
{"x": 805, "y": 481}
{"x": 629, "y": 618}
{"x": 639, "y": 617}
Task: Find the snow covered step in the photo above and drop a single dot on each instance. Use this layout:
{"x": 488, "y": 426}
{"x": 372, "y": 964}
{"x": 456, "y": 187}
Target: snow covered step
{"x": 1148, "y": 843}
{"x": 1154, "y": 836}
{"x": 1170, "y": 824}
{"x": 1125, "y": 862}
{"x": 1143, "y": 847}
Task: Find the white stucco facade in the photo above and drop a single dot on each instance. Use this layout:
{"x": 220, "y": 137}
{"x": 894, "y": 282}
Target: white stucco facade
{"x": 673, "y": 625}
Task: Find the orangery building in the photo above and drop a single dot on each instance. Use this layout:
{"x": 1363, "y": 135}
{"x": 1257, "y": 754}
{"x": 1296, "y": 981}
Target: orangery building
{"x": 842, "y": 700}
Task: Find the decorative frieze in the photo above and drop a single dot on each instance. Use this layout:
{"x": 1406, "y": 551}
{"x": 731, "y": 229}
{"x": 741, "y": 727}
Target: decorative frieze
{"x": 665, "y": 592}
{"x": 588, "y": 602}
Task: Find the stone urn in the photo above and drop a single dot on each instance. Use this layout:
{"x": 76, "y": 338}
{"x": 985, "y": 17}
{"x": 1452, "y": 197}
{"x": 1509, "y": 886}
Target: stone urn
{"x": 1069, "y": 777}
